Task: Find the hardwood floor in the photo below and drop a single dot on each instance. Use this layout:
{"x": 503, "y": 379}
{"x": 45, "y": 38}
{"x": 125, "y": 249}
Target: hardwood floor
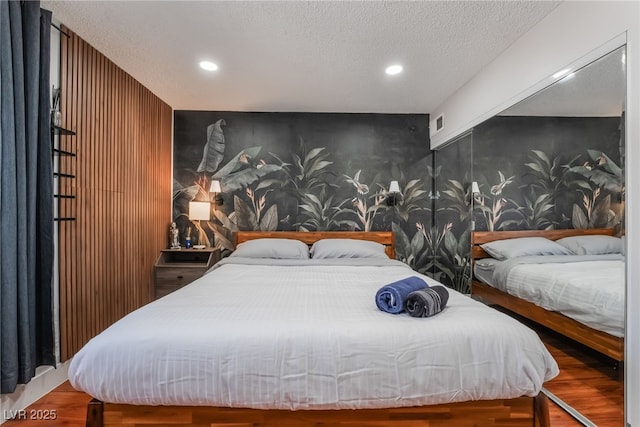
{"x": 70, "y": 408}
{"x": 588, "y": 381}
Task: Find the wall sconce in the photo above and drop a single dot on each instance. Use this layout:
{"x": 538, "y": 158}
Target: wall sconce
{"x": 475, "y": 189}
{"x": 200, "y": 211}
{"x": 216, "y": 189}
{"x": 393, "y": 195}
{"x": 475, "y": 192}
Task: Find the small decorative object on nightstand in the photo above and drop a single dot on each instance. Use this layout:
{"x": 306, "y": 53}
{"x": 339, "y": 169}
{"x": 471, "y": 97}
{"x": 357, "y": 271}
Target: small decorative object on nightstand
{"x": 176, "y": 268}
{"x": 174, "y": 236}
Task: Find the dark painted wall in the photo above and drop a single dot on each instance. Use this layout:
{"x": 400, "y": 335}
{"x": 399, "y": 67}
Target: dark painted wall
{"x": 304, "y": 171}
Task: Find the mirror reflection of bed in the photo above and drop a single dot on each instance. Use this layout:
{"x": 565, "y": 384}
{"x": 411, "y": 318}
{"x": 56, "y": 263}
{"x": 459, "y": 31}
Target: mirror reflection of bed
{"x": 577, "y": 293}
{"x": 574, "y": 333}
{"x": 569, "y": 286}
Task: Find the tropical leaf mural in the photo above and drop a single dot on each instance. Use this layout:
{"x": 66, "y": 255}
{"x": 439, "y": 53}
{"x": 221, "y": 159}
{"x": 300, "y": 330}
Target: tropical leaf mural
{"x": 523, "y": 185}
{"x": 602, "y": 171}
{"x": 496, "y": 211}
{"x": 307, "y": 169}
{"x": 307, "y": 172}
{"x": 414, "y": 200}
{"x": 440, "y": 254}
{"x": 538, "y": 212}
{"x": 411, "y": 251}
{"x": 214, "y": 148}
{"x": 456, "y": 198}
{"x": 323, "y": 213}
{"x": 548, "y": 175}
{"x": 365, "y": 206}
{"x": 274, "y": 178}
{"x": 595, "y": 211}
{"x": 244, "y": 169}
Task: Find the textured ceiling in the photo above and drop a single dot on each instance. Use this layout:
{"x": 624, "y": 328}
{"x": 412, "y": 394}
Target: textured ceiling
{"x": 313, "y": 56}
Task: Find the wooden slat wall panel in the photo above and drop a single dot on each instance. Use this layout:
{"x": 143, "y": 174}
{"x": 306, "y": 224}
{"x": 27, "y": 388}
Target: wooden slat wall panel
{"x": 123, "y": 192}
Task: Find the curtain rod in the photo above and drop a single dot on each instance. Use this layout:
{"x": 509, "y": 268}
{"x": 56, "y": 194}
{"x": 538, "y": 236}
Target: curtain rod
{"x": 59, "y": 29}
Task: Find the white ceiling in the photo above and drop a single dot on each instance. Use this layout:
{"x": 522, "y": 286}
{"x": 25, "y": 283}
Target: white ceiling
{"x": 312, "y": 56}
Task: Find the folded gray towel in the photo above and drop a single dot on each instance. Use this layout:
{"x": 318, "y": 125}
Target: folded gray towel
{"x": 427, "y": 302}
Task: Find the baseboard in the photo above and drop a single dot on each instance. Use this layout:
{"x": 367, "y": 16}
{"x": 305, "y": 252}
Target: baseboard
{"x": 47, "y": 378}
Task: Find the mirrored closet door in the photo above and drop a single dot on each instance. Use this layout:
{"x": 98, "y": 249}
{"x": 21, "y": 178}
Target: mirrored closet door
{"x": 552, "y": 161}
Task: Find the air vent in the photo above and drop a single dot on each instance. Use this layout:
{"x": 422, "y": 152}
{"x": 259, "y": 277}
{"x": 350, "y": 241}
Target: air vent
{"x": 439, "y": 122}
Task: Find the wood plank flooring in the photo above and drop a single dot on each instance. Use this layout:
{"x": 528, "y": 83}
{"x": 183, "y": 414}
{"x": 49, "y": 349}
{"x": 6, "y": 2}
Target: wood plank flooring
{"x": 588, "y": 381}
{"x": 600, "y": 398}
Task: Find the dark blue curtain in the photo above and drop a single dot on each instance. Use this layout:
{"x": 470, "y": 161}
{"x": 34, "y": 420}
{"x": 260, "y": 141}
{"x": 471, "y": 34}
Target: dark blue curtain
{"x": 26, "y": 199}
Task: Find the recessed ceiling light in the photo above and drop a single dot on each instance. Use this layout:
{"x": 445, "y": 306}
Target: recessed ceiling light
{"x": 208, "y": 65}
{"x": 393, "y": 69}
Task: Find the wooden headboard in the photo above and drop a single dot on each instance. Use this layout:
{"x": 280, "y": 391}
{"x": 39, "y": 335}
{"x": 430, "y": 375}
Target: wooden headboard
{"x": 310, "y": 237}
{"x": 480, "y": 237}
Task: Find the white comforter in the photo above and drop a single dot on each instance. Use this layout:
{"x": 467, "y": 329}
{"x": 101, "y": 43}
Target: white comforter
{"x": 308, "y": 337}
{"x": 587, "y": 288}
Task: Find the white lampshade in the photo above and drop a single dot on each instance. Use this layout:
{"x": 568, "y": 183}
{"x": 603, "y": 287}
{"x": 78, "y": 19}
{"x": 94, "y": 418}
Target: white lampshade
{"x": 215, "y": 187}
{"x": 475, "y": 189}
{"x": 394, "y": 187}
{"x": 199, "y": 210}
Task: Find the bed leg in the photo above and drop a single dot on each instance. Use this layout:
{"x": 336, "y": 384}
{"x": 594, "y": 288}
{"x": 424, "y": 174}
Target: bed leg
{"x": 94, "y": 413}
{"x": 541, "y": 411}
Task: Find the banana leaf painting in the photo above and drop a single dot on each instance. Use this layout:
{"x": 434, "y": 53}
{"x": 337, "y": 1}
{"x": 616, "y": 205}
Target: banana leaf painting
{"x": 214, "y": 148}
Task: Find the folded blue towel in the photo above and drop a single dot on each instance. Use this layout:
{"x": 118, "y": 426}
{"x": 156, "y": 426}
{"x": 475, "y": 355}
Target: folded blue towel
{"x": 391, "y": 298}
{"x": 427, "y": 302}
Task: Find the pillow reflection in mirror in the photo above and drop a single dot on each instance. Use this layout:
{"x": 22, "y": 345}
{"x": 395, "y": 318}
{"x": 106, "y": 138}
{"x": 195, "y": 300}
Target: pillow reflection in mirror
{"x": 523, "y": 246}
{"x": 592, "y": 244}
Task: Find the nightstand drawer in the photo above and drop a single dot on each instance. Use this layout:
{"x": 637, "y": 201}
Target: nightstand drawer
{"x": 178, "y": 276}
{"x": 172, "y": 279}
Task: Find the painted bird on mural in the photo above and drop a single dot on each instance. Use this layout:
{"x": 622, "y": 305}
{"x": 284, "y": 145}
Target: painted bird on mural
{"x": 360, "y": 187}
{"x": 497, "y": 189}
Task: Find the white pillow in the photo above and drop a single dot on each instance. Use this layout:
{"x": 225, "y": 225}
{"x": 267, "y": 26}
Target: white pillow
{"x": 524, "y": 246}
{"x": 592, "y": 244}
{"x": 347, "y": 248}
{"x": 272, "y": 248}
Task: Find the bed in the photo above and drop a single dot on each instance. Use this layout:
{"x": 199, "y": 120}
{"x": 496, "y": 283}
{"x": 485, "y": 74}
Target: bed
{"x": 578, "y": 296}
{"x": 300, "y": 342}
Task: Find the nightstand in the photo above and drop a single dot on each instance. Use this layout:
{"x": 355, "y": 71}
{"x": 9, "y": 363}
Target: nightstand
{"x": 175, "y": 268}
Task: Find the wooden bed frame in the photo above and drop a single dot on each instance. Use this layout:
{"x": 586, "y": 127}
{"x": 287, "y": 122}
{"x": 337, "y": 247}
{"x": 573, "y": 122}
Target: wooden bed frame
{"x": 521, "y": 411}
{"x": 602, "y": 342}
